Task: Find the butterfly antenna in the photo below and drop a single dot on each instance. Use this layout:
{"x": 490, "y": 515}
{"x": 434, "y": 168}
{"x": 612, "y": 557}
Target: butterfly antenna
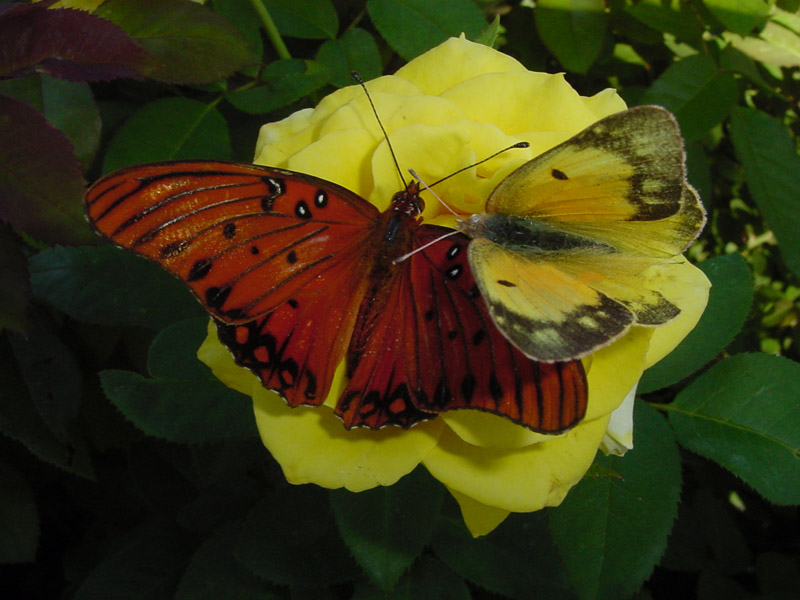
{"x": 517, "y": 145}
{"x": 400, "y": 259}
{"x": 360, "y": 82}
{"x": 427, "y": 187}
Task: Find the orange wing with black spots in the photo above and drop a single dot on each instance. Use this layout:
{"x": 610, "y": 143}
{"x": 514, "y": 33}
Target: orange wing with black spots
{"x": 245, "y": 239}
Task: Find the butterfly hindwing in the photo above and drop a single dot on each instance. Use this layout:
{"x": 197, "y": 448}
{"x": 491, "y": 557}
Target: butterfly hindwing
{"x": 245, "y": 239}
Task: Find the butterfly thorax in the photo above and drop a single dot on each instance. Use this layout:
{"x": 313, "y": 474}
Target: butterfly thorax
{"x": 524, "y": 233}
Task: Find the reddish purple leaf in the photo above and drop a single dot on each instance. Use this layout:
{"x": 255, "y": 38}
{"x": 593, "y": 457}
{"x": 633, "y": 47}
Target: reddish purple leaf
{"x": 67, "y": 43}
{"x": 40, "y": 182}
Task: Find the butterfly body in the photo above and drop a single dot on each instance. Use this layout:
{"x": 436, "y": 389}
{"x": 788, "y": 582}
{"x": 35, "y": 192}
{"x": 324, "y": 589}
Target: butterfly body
{"x": 562, "y": 253}
{"x": 300, "y": 275}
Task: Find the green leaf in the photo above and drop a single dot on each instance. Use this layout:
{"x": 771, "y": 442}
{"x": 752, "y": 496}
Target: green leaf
{"x": 412, "y": 27}
{"x": 612, "y": 530}
{"x": 669, "y": 16}
{"x": 41, "y": 191}
{"x": 190, "y": 42}
{"x": 772, "y": 173}
{"x": 743, "y": 414}
{"x": 20, "y": 421}
{"x": 68, "y": 106}
{"x": 242, "y": 16}
{"x": 183, "y": 402}
{"x": 311, "y": 19}
{"x": 290, "y": 538}
{"x": 14, "y": 281}
{"x": 356, "y": 51}
{"x": 19, "y": 518}
{"x": 429, "y": 579}
{"x": 697, "y": 92}
{"x": 573, "y": 30}
{"x": 491, "y": 33}
{"x": 169, "y": 129}
{"x": 146, "y": 567}
{"x": 733, "y": 59}
{"x": 52, "y": 376}
{"x": 387, "y": 528}
{"x": 286, "y": 81}
{"x": 712, "y": 586}
{"x": 518, "y": 559}
{"x": 775, "y": 45}
{"x": 698, "y": 171}
{"x": 778, "y": 574}
{"x": 214, "y": 573}
{"x": 108, "y": 286}
{"x": 740, "y": 16}
{"x": 728, "y": 304}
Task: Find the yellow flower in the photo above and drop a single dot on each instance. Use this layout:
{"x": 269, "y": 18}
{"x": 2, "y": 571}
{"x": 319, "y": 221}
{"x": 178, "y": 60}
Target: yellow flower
{"x": 439, "y": 117}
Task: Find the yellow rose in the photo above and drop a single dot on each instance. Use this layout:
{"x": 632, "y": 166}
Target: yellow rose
{"x": 448, "y": 108}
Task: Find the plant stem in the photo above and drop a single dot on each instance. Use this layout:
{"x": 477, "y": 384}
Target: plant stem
{"x": 269, "y": 27}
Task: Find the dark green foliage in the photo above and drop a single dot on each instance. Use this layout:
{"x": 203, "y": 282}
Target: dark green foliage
{"x": 127, "y": 470}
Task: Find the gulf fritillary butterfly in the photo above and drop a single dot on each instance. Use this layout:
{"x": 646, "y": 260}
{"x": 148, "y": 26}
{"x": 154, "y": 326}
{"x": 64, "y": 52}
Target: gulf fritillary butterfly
{"x": 298, "y": 273}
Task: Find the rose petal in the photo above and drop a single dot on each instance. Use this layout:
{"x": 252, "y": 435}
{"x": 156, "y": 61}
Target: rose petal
{"x": 341, "y": 157}
{"x": 531, "y": 102}
{"x": 520, "y": 480}
{"x": 464, "y": 60}
{"x": 479, "y": 518}
{"x": 614, "y": 370}
{"x": 619, "y": 434}
{"x": 312, "y": 446}
{"x": 220, "y": 360}
{"x": 687, "y": 287}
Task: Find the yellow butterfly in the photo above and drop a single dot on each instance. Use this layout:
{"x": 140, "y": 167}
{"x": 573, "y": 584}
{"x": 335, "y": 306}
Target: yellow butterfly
{"x": 561, "y": 251}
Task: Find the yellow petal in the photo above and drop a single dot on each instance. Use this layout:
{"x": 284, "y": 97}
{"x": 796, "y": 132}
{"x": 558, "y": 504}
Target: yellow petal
{"x": 280, "y": 140}
{"x": 530, "y": 102}
{"x": 479, "y": 518}
{"x": 519, "y": 480}
{"x": 687, "y": 287}
{"x": 219, "y": 359}
{"x": 615, "y": 369}
{"x": 463, "y": 59}
{"x": 341, "y": 157}
{"x": 312, "y": 446}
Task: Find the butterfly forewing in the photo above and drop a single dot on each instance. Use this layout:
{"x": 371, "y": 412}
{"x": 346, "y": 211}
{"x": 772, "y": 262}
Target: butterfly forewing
{"x": 621, "y": 181}
{"x": 244, "y": 238}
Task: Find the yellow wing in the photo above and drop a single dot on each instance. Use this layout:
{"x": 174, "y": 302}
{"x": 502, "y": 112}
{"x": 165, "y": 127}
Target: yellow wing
{"x": 621, "y": 181}
{"x": 569, "y": 305}
{"x": 562, "y": 251}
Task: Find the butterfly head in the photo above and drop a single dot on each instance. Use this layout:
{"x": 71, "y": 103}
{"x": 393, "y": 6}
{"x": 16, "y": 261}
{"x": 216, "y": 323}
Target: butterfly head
{"x": 408, "y": 201}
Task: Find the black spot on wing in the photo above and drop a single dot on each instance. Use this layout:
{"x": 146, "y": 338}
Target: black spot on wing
{"x": 557, "y": 174}
{"x": 200, "y": 269}
{"x": 229, "y": 231}
{"x": 301, "y": 210}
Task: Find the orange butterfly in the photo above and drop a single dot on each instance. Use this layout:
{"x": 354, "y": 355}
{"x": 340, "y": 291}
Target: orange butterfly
{"x": 299, "y": 274}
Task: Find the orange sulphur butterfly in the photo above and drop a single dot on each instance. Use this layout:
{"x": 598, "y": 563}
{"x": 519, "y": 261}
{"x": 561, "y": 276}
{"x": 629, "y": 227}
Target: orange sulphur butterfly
{"x": 561, "y": 250}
